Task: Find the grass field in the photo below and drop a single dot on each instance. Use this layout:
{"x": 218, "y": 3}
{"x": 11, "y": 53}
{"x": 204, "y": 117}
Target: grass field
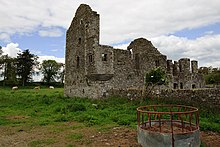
{"x": 46, "y": 107}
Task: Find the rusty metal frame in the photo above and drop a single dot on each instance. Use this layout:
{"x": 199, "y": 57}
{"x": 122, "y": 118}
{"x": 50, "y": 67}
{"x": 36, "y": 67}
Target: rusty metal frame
{"x": 185, "y": 118}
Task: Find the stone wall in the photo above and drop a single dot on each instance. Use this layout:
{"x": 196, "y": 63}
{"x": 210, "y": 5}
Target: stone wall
{"x": 208, "y": 98}
{"x": 202, "y": 98}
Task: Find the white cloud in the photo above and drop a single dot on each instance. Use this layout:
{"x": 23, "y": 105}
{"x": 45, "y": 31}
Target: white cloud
{"x": 205, "y": 49}
{"x": 5, "y": 37}
{"x": 11, "y": 49}
{"x": 42, "y": 58}
{"x": 122, "y": 46}
{"x": 120, "y": 20}
{"x": 55, "y": 32}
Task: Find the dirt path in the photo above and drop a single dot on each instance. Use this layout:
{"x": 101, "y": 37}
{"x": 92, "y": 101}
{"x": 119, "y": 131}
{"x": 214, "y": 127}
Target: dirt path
{"x": 72, "y": 134}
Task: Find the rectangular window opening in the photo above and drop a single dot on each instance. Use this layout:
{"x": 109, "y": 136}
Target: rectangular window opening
{"x": 181, "y": 85}
{"x": 175, "y": 86}
{"x": 90, "y": 59}
{"x": 80, "y": 41}
{"x": 77, "y": 61}
{"x": 104, "y": 57}
{"x": 157, "y": 63}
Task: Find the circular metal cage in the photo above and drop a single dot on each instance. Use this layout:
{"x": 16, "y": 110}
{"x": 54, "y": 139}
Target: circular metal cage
{"x": 175, "y": 119}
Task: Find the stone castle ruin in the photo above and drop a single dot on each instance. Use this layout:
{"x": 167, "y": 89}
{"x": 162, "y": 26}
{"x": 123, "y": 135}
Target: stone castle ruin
{"x": 92, "y": 69}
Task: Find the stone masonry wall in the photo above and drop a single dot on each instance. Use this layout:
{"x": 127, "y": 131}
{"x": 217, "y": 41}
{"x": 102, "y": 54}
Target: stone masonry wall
{"x": 208, "y": 98}
{"x": 202, "y": 98}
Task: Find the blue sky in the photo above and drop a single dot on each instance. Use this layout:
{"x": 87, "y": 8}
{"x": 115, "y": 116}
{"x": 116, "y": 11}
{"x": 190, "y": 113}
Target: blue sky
{"x": 199, "y": 32}
{"x": 42, "y": 45}
{"x": 179, "y": 29}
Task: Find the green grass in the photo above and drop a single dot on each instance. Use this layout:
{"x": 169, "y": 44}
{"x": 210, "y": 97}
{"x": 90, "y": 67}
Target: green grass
{"x": 47, "y": 106}
{"x": 75, "y": 136}
{"x": 36, "y": 143}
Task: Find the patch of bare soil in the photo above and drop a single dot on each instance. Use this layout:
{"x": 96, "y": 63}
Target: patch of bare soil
{"x": 210, "y": 139}
{"x": 67, "y": 134}
{"x": 77, "y": 134}
{"x": 14, "y": 117}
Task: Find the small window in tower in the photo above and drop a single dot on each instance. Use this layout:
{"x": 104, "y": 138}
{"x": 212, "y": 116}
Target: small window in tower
{"x": 80, "y": 40}
{"x": 193, "y": 86}
{"x": 181, "y": 85}
{"x": 81, "y": 21}
{"x": 77, "y": 61}
{"x": 175, "y": 86}
{"x": 90, "y": 58}
{"x": 157, "y": 63}
{"x": 104, "y": 57}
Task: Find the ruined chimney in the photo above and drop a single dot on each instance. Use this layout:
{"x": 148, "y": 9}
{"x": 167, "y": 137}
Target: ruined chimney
{"x": 194, "y": 66}
{"x": 175, "y": 68}
{"x": 184, "y": 65}
{"x": 169, "y": 66}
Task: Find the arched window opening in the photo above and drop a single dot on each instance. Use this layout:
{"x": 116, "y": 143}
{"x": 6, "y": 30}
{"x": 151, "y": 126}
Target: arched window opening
{"x": 80, "y": 41}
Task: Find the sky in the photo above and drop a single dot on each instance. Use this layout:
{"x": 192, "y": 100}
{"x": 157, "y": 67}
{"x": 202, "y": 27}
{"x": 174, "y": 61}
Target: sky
{"x": 178, "y": 28}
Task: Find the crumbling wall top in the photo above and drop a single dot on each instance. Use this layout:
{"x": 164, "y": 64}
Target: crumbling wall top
{"x": 82, "y": 9}
{"x": 142, "y": 45}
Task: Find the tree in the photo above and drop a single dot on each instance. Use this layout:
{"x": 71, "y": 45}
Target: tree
{"x": 50, "y": 69}
{"x": 8, "y": 67}
{"x": 213, "y": 77}
{"x": 155, "y": 77}
{"x": 25, "y": 64}
{"x": 61, "y": 74}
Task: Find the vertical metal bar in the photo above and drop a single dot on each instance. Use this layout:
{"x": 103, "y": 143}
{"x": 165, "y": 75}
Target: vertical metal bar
{"x": 178, "y": 116}
{"x": 138, "y": 118}
{"x": 171, "y": 124}
{"x": 190, "y": 121}
{"x": 197, "y": 120}
{"x": 155, "y": 116}
{"x": 142, "y": 119}
{"x": 149, "y": 119}
{"x": 182, "y": 124}
{"x": 159, "y": 122}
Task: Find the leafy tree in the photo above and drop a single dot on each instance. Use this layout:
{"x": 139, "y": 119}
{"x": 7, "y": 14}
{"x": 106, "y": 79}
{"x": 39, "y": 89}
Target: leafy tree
{"x": 213, "y": 77}
{"x": 155, "y": 77}
{"x": 50, "y": 69}
{"x": 205, "y": 70}
{"x": 61, "y": 74}
{"x": 8, "y": 66}
{"x": 25, "y": 64}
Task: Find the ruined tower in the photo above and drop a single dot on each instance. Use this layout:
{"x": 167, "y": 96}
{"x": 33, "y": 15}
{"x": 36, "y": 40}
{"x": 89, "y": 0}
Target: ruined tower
{"x": 94, "y": 70}
{"x": 81, "y": 39}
